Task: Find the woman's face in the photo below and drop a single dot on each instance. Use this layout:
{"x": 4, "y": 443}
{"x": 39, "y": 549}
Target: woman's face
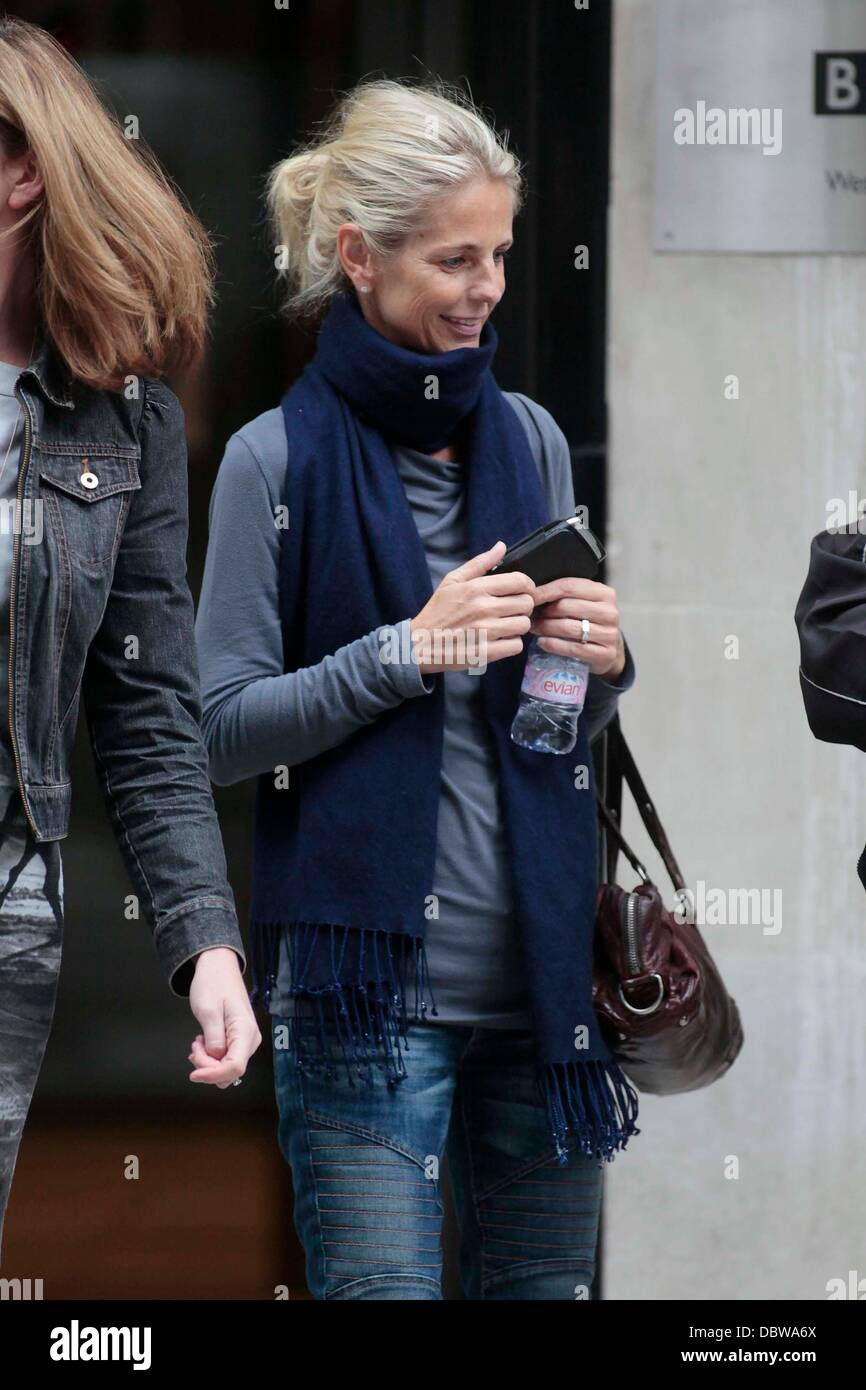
{"x": 438, "y": 290}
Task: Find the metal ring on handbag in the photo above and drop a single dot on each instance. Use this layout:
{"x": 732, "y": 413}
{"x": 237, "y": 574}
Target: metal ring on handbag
{"x": 652, "y": 1007}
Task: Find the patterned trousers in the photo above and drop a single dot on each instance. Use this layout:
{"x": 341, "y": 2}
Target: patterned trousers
{"x": 31, "y": 929}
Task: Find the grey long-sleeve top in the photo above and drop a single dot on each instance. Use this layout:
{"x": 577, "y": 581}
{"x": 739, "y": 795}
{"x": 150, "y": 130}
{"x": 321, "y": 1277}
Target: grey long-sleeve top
{"x": 255, "y": 716}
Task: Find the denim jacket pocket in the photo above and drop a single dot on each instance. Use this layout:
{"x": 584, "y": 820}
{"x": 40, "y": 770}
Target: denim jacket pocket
{"x": 87, "y": 500}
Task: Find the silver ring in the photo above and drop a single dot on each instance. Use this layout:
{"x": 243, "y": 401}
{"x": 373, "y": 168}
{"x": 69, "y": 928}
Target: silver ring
{"x": 584, "y": 623}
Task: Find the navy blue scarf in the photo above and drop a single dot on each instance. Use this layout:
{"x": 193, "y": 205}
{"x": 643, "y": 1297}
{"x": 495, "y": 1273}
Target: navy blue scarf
{"x": 343, "y": 858}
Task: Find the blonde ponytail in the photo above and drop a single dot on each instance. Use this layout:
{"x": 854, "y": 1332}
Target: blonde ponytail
{"x": 388, "y": 150}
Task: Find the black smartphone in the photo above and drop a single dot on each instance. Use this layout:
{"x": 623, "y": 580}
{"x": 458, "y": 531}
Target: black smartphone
{"x": 558, "y": 550}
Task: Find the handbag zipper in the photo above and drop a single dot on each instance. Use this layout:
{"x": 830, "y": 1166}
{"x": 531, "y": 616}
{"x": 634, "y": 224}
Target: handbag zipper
{"x": 22, "y": 473}
{"x": 632, "y": 943}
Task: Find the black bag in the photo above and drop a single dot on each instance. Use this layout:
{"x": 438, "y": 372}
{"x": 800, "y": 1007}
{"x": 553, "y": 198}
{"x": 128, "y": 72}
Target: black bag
{"x": 831, "y": 622}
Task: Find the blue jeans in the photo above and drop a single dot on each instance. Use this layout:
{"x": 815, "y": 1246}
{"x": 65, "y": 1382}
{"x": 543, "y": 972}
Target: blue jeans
{"x": 365, "y": 1166}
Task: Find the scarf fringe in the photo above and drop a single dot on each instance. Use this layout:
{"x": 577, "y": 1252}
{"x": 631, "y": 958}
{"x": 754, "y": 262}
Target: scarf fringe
{"x": 368, "y": 1016}
{"x": 593, "y": 1100}
{"x": 368, "y": 1019}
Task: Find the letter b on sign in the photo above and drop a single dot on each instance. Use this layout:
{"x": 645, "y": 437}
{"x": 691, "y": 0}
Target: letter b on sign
{"x": 840, "y": 84}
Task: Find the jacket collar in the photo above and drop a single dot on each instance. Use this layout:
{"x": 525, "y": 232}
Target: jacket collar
{"x": 50, "y": 373}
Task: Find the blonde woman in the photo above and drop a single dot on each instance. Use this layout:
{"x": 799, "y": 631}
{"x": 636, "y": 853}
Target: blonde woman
{"x": 104, "y": 284}
{"x": 423, "y": 888}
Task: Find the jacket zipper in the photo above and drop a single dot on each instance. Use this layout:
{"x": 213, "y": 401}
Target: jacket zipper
{"x": 22, "y": 474}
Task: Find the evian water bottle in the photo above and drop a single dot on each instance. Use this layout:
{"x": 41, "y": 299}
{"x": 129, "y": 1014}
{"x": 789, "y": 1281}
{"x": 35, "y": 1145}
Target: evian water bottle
{"x": 551, "y": 698}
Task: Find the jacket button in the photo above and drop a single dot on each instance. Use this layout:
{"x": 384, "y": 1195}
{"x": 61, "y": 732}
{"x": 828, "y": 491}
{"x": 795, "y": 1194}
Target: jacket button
{"x": 88, "y": 479}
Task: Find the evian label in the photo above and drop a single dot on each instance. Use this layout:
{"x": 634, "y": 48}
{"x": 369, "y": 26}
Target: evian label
{"x": 545, "y": 678}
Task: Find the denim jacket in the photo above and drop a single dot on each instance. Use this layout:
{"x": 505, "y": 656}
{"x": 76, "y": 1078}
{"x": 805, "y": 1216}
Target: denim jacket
{"x": 101, "y": 606}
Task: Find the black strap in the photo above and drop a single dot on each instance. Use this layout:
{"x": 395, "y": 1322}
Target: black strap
{"x": 620, "y": 764}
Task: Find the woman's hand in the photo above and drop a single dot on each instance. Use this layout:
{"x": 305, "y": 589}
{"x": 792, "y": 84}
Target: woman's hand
{"x": 474, "y": 617}
{"x": 219, "y": 1000}
{"x": 562, "y": 604}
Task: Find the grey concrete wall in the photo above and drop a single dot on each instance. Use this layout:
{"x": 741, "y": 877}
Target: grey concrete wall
{"x": 713, "y": 505}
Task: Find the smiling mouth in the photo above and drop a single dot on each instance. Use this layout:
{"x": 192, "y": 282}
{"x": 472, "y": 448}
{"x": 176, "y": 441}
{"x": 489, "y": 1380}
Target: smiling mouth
{"x": 465, "y": 325}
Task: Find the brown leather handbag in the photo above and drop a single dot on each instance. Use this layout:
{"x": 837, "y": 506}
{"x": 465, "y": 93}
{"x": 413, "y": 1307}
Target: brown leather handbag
{"x": 661, "y": 1003}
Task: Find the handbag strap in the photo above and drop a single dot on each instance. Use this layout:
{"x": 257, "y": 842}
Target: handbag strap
{"x": 621, "y": 764}
{"x": 612, "y": 812}
{"x": 617, "y": 842}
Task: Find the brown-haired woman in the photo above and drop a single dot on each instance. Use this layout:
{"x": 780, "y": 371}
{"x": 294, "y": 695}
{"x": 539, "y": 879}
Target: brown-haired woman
{"x": 105, "y": 282}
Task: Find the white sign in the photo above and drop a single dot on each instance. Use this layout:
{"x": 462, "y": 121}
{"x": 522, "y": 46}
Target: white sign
{"x": 760, "y": 110}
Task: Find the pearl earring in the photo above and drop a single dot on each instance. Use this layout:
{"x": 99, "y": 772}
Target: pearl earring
{"x": 365, "y": 289}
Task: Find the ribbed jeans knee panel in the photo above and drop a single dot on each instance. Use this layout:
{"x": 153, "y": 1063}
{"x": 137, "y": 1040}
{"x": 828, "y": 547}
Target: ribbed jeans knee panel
{"x": 379, "y": 1217}
{"x": 542, "y": 1225}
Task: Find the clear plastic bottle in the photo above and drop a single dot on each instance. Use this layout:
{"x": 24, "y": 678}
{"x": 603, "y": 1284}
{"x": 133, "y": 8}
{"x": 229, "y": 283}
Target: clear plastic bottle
{"x": 551, "y": 698}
